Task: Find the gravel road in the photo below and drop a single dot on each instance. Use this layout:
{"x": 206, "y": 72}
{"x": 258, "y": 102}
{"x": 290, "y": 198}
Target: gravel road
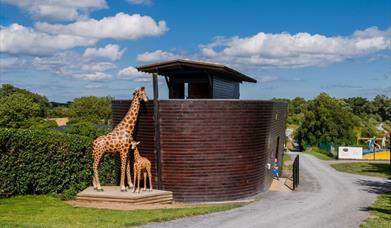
{"x": 326, "y": 198}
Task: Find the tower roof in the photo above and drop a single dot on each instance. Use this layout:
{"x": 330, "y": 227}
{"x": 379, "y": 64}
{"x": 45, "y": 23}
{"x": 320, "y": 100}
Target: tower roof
{"x": 180, "y": 67}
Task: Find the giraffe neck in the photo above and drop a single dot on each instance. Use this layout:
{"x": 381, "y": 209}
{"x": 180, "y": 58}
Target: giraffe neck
{"x": 129, "y": 121}
{"x": 136, "y": 154}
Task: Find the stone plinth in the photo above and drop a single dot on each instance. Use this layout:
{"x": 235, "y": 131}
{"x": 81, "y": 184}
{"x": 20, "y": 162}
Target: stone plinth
{"x": 113, "y": 194}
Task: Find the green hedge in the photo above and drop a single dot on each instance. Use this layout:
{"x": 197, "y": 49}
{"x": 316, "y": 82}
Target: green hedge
{"x": 41, "y": 162}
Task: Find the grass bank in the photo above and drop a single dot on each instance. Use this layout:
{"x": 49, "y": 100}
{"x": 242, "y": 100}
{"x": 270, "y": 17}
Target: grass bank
{"x": 49, "y": 211}
{"x": 287, "y": 164}
{"x": 380, "y": 213}
{"x": 365, "y": 168}
{"x": 320, "y": 154}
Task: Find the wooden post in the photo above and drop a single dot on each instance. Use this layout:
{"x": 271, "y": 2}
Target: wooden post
{"x": 157, "y": 129}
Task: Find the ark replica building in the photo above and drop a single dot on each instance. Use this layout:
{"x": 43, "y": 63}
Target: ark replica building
{"x": 204, "y": 143}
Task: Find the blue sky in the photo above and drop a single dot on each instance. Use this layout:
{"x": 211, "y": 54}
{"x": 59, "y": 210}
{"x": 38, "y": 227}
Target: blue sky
{"x": 66, "y": 49}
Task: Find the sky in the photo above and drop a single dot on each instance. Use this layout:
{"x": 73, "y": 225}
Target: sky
{"x": 65, "y": 49}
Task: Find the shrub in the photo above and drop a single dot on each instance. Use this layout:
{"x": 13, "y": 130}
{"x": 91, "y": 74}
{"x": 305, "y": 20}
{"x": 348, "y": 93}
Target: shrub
{"x": 86, "y": 129}
{"x": 41, "y": 162}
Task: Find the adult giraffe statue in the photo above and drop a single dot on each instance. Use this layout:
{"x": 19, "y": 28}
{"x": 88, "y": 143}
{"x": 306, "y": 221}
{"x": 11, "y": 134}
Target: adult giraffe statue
{"x": 118, "y": 141}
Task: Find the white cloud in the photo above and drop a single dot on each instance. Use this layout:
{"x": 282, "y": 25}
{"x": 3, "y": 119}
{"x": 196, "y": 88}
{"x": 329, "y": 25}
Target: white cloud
{"x": 58, "y": 9}
{"x": 283, "y": 50}
{"x": 73, "y": 65}
{"x": 98, "y": 66}
{"x": 120, "y": 26}
{"x": 157, "y": 55}
{"x": 95, "y": 76}
{"x": 111, "y": 51}
{"x": 8, "y": 63}
{"x": 93, "y": 86}
{"x": 265, "y": 79}
{"x": 140, "y": 2}
{"x": 17, "y": 39}
{"x": 134, "y": 75}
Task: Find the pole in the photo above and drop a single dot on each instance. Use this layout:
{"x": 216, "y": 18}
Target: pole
{"x": 157, "y": 129}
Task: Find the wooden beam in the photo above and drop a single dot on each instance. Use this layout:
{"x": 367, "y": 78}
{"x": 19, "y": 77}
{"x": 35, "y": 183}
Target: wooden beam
{"x": 157, "y": 129}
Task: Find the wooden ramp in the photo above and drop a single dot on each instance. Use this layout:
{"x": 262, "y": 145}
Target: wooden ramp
{"x": 113, "y": 194}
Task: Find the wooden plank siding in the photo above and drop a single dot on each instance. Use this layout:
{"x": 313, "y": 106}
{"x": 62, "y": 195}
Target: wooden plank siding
{"x": 212, "y": 150}
{"x": 225, "y": 89}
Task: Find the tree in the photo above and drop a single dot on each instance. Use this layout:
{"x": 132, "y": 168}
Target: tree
{"x": 92, "y": 109}
{"x": 42, "y": 101}
{"x": 359, "y": 105}
{"x": 327, "y": 120}
{"x": 16, "y": 109}
{"x": 382, "y": 106}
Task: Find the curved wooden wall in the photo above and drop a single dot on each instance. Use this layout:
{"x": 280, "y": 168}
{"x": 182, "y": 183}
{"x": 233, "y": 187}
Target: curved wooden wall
{"x": 214, "y": 150}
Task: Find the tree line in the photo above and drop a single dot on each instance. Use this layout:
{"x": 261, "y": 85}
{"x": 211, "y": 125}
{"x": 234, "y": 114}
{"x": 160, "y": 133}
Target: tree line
{"x": 326, "y": 119}
{"x": 20, "y": 108}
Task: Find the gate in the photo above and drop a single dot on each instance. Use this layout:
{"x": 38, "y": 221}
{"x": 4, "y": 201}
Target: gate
{"x": 295, "y": 172}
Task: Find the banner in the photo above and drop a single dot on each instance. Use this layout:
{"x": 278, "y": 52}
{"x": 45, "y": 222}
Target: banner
{"x": 345, "y": 152}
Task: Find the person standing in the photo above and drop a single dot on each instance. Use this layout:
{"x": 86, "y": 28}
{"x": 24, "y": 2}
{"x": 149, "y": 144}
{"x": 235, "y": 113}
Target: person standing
{"x": 275, "y": 169}
{"x": 383, "y": 142}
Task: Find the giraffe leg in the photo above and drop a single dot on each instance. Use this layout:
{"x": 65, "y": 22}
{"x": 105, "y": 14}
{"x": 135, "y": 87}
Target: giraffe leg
{"x": 150, "y": 178}
{"x": 145, "y": 181}
{"x": 94, "y": 182}
{"x": 123, "y": 169}
{"x": 138, "y": 179}
{"x": 97, "y": 158}
{"x": 128, "y": 175}
{"x": 134, "y": 180}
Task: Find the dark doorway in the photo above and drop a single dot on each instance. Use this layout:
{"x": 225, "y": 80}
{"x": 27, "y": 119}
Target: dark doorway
{"x": 277, "y": 147}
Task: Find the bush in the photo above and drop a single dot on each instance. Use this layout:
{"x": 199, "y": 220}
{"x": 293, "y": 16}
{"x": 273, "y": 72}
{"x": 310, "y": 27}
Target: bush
{"x": 92, "y": 109}
{"x": 86, "y": 129}
{"x": 41, "y": 162}
{"x": 16, "y": 109}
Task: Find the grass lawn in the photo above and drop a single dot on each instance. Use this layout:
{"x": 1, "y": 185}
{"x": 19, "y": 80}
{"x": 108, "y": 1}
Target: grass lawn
{"x": 380, "y": 213}
{"x": 287, "y": 164}
{"x": 49, "y": 211}
{"x": 321, "y": 155}
{"x": 365, "y": 168}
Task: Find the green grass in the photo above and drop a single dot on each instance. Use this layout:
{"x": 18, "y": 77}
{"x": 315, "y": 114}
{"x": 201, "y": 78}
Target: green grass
{"x": 320, "y": 154}
{"x": 380, "y": 213}
{"x": 365, "y": 168}
{"x": 49, "y": 211}
{"x": 287, "y": 164}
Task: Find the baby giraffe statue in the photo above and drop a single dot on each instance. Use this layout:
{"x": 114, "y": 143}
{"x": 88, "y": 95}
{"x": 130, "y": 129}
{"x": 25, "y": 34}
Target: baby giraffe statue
{"x": 141, "y": 164}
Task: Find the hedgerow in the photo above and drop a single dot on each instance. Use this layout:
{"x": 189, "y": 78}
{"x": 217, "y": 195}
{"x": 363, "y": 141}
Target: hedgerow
{"x": 42, "y": 161}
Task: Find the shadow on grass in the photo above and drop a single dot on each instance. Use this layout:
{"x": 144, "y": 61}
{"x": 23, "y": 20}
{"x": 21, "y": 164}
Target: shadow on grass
{"x": 377, "y": 187}
{"x": 378, "y": 168}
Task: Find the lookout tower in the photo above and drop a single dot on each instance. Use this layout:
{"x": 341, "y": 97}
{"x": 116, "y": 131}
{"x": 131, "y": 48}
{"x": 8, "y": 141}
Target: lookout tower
{"x": 204, "y": 143}
{"x": 188, "y": 79}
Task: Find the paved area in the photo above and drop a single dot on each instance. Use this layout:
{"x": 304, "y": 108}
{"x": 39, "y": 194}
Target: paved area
{"x": 326, "y": 198}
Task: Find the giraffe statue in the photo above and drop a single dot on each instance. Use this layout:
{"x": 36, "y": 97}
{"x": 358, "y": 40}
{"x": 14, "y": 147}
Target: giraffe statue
{"x": 118, "y": 141}
{"x": 141, "y": 164}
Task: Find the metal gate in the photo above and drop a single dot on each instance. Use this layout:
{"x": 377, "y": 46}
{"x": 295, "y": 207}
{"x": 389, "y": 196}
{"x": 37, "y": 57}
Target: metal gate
{"x": 295, "y": 172}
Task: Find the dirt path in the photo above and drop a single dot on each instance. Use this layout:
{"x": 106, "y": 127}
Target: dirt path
{"x": 326, "y": 198}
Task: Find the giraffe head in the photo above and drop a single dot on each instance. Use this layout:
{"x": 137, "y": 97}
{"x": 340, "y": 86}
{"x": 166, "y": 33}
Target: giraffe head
{"x": 140, "y": 94}
{"x": 134, "y": 144}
